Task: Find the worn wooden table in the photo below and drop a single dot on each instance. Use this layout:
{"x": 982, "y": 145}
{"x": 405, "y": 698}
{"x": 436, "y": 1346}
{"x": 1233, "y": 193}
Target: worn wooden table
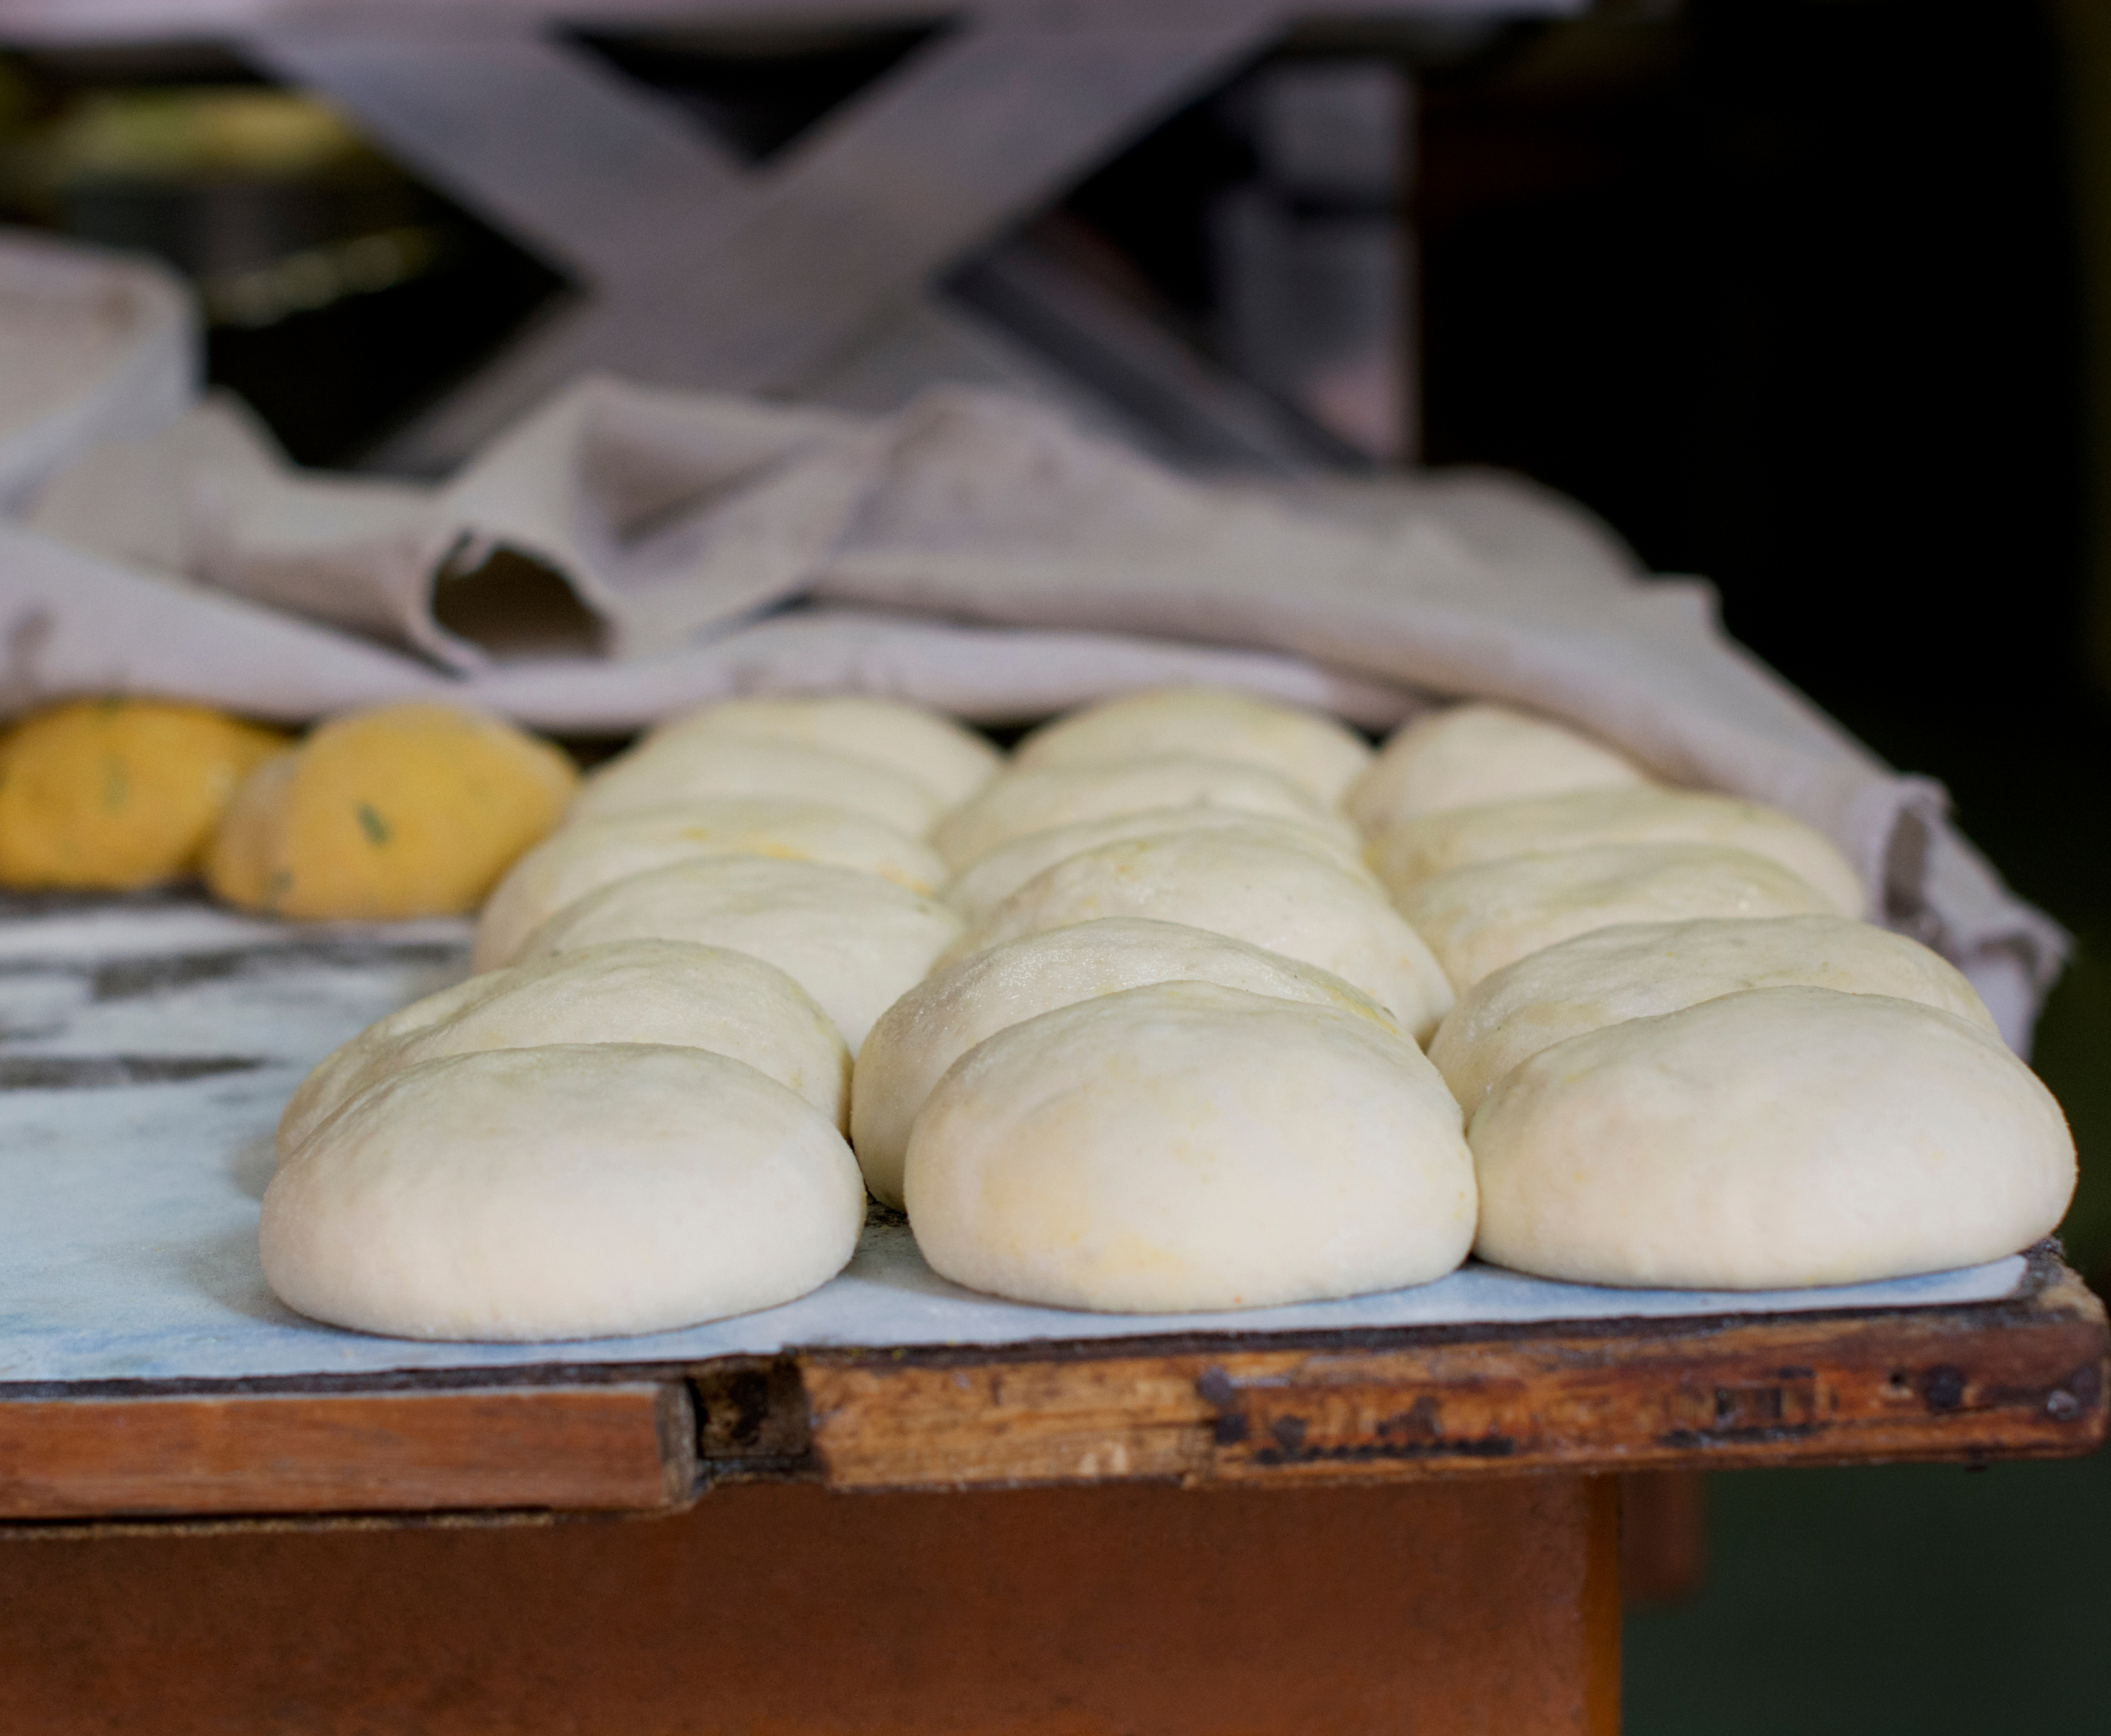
{"x": 1412, "y": 1529}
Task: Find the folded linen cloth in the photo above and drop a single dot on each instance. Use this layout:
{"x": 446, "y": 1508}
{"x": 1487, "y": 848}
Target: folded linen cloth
{"x": 973, "y": 551}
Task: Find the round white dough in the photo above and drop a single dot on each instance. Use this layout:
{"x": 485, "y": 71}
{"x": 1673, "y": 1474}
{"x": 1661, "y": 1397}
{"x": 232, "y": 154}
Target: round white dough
{"x": 1187, "y": 1147}
{"x": 987, "y": 883}
{"x": 670, "y": 992}
{"x": 1638, "y": 970}
{"x": 1471, "y": 754}
{"x": 1478, "y": 919}
{"x": 1034, "y": 799}
{"x": 954, "y": 761}
{"x": 1315, "y": 753}
{"x": 853, "y": 941}
{"x": 1771, "y": 1139}
{"x": 576, "y": 859}
{"x": 580, "y": 1190}
{"x": 686, "y": 767}
{"x": 943, "y": 1017}
{"x": 1287, "y": 901}
{"x": 1419, "y": 849}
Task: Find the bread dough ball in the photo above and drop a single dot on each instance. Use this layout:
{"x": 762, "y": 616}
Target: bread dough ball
{"x": 578, "y": 1190}
{"x": 952, "y": 759}
{"x": 987, "y": 883}
{"x": 671, "y": 992}
{"x": 942, "y": 1018}
{"x": 1317, "y": 754}
{"x": 1186, "y": 1147}
{"x": 1287, "y": 901}
{"x": 1034, "y": 799}
{"x": 1478, "y": 919}
{"x": 115, "y": 793}
{"x": 1770, "y": 1139}
{"x": 1469, "y": 755}
{"x": 410, "y": 810}
{"x": 1638, "y": 970}
{"x": 580, "y": 858}
{"x": 684, "y": 767}
{"x": 853, "y": 941}
{"x": 1419, "y": 849}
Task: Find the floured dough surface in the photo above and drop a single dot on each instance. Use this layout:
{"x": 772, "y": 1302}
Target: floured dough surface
{"x": 565, "y": 1192}
{"x": 1471, "y": 754}
{"x": 1318, "y": 754}
{"x": 1420, "y": 849}
{"x": 1477, "y": 920}
{"x": 984, "y": 884}
{"x": 854, "y": 942}
{"x": 1034, "y": 799}
{"x": 670, "y": 992}
{"x": 578, "y": 859}
{"x": 1774, "y": 1139}
{"x": 1287, "y": 901}
{"x": 685, "y": 768}
{"x": 1639, "y": 970}
{"x": 1185, "y": 1146}
{"x": 950, "y": 758}
{"x": 942, "y": 1018}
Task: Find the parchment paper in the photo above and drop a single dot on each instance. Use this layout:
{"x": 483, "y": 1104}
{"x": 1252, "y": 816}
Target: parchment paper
{"x": 147, "y": 1048}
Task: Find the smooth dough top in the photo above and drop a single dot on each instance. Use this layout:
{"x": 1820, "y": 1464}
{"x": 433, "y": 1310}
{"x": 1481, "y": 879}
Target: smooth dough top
{"x": 683, "y": 768}
{"x": 572, "y": 1192}
{"x": 1640, "y": 969}
{"x": 952, "y": 759}
{"x": 575, "y": 859}
{"x": 1468, "y": 755}
{"x": 942, "y": 1018}
{"x": 1419, "y": 849}
{"x": 1316, "y": 753}
{"x": 1478, "y": 919}
{"x": 1184, "y": 1146}
{"x": 1287, "y": 901}
{"x": 1034, "y": 799}
{"x": 673, "y": 992}
{"x": 853, "y": 941}
{"x": 1774, "y": 1139}
{"x": 982, "y": 885}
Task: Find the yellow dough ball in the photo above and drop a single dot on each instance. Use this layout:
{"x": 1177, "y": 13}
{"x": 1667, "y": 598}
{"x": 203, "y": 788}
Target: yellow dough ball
{"x": 410, "y": 810}
{"x": 113, "y": 794}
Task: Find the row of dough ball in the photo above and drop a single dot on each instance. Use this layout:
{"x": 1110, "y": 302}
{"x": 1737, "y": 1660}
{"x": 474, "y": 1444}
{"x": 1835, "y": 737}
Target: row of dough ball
{"x": 1171, "y": 1064}
{"x": 1685, "y": 1059}
{"x": 633, "y": 1116}
{"x": 1758, "y": 1090}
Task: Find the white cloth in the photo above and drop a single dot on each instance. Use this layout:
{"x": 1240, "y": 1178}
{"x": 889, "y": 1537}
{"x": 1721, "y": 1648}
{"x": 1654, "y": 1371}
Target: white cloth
{"x": 973, "y": 553}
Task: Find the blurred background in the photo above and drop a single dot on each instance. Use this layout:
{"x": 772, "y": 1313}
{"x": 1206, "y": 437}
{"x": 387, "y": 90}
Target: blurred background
{"x": 1810, "y": 297}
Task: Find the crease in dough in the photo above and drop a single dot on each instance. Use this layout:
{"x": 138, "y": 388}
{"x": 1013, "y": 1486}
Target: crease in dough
{"x": 853, "y": 941}
{"x": 1478, "y": 919}
{"x": 1637, "y": 970}
{"x": 942, "y": 1018}
{"x": 580, "y": 859}
{"x": 1420, "y": 849}
{"x": 670, "y": 992}
{"x": 1285, "y": 900}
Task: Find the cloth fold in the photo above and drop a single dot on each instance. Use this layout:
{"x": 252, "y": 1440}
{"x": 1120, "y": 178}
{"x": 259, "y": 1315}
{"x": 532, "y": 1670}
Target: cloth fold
{"x": 972, "y": 551}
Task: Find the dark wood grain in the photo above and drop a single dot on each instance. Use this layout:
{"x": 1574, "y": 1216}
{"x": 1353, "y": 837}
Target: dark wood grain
{"x": 2014, "y": 1380}
{"x": 576, "y": 1448}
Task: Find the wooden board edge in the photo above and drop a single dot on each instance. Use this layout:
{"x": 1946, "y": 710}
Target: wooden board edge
{"x": 2024, "y": 1377}
{"x": 611, "y": 1448}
